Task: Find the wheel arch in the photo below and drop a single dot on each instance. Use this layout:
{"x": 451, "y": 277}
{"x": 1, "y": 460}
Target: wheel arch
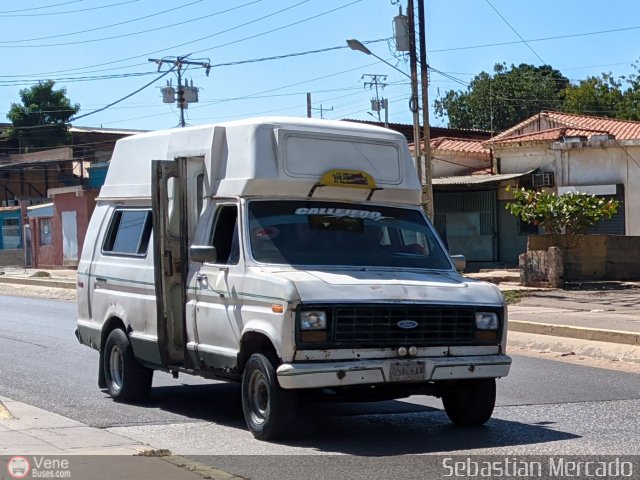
{"x": 256, "y": 342}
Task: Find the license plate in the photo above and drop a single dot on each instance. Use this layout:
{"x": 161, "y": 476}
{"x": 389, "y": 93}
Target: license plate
{"x": 407, "y": 372}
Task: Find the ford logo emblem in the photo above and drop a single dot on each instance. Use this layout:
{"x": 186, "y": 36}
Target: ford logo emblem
{"x": 407, "y": 324}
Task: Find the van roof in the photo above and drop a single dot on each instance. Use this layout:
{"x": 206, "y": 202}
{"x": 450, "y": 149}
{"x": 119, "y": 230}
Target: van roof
{"x": 270, "y": 156}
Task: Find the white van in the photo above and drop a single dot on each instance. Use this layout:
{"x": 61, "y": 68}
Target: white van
{"x": 291, "y": 255}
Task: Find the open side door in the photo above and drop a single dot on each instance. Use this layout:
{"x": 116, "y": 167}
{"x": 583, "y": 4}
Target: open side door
{"x": 170, "y": 243}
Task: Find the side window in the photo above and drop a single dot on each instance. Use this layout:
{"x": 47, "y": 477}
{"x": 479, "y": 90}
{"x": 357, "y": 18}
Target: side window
{"x": 225, "y": 235}
{"x": 129, "y": 233}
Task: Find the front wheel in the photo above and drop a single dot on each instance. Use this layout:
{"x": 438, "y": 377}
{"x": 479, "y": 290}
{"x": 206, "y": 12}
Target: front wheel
{"x": 126, "y": 379}
{"x": 268, "y": 409}
{"x": 470, "y": 402}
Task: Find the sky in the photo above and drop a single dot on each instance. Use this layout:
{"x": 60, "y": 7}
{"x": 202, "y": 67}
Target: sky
{"x": 98, "y": 50}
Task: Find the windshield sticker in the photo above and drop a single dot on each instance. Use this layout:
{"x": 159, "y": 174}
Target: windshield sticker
{"x": 266, "y": 233}
{"x": 341, "y": 212}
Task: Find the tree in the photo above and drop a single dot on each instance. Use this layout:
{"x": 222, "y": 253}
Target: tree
{"x": 606, "y": 96}
{"x": 570, "y": 213}
{"x": 499, "y": 101}
{"x": 600, "y": 96}
{"x": 41, "y": 121}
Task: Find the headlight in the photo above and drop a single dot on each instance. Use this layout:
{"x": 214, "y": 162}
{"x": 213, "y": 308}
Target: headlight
{"x": 486, "y": 321}
{"x": 313, "y": 320}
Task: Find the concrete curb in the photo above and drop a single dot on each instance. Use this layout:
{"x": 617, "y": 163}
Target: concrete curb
{"x": 201, "y": 469}
{"x": 580, "y": 333}
{"x": 574, "y": 347}
{"x": 39, "y": 282}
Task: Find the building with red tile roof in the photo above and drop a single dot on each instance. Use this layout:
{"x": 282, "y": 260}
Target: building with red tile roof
{"x": 569, "y": 152}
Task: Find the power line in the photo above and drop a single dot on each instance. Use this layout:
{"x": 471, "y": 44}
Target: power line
{"x": 249, "y": 96}
{"x": 124, "y": 35}
{"x": 219, "y": 65}
{"x": 514, "y": 31}
{"x": 532, "y": 40}
{"x": 41, "y": 8}
{"x": 69, "y": 11}
{"x": 18, "y": 83}
{"x": 125, "y": 97}
{"x": 111, "y": 25}
{"x": 290, "y": 55}
{"x": 313, "y": 17}
{"x": 446, "y": 75}
{"x": 180, "y": 45}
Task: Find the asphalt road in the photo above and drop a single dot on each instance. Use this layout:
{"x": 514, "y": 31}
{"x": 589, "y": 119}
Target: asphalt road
{"x": 544, "y": 407}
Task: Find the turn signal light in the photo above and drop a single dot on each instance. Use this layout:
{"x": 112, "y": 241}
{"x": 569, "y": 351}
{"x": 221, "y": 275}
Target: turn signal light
{"x": 313, "y": 336}
{"x": 486, "y": 335}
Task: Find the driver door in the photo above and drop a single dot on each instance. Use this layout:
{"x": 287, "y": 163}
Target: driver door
{"x": 218, "y": 305}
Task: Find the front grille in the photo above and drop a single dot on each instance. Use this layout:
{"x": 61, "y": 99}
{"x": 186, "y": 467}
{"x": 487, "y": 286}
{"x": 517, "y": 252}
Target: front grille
{"x": 377, "y": 325}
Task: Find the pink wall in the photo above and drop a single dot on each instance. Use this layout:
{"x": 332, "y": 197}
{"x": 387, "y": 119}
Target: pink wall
{"x": 52, "y": 255}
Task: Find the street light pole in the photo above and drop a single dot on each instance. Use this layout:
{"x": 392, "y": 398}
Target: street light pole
{"x": 413, "y": 106}
{"x": 427, "y": 189}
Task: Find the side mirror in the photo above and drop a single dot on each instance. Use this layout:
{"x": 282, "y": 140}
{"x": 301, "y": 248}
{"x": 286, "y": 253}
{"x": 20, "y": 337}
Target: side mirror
{"x": 460, "y": 262}
{"x": 203, "y": 253}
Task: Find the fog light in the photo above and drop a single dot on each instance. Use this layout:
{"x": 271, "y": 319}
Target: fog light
{"x": 402, "y": 351}
{"x": 413, "y": 351}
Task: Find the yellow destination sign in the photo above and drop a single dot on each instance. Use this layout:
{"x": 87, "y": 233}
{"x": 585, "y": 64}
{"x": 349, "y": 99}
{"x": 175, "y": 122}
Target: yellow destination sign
{"x": 348, "y": 178}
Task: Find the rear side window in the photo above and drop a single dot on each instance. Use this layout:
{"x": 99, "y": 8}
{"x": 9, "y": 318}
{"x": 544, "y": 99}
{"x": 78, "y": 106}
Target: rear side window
{"x": 128, "y": 233}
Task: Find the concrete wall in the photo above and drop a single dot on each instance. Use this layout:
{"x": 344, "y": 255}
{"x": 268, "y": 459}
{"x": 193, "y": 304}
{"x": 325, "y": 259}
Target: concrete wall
{"x": 519, "y": 159}
{"x": 594, "y": 257}
{"x": 12, "y": 258}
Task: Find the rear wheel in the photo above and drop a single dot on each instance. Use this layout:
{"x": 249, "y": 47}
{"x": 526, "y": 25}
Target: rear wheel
{"x": 269, "y": 410}
{"x": 126, "y": 379}
{"x": 470, "y": 402}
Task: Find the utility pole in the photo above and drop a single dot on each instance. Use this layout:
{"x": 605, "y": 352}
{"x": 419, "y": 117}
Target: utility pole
{"x": 322, "y": 110}
{"x": 375, "y": 82}
{"x": 414, "y": 103}
{"x": 308, "y": 104}
{"x": 185, "y": 94}
{"x": 424, "y": 72}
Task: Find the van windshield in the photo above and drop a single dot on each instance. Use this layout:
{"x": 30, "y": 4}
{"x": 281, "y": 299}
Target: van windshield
{"x": 336, "y": 234}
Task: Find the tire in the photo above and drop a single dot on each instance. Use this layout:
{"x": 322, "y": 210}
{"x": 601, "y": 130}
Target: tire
{"x": 470, "y": 403}
{"x": 268, "y": 409}
{"x": 126, "y": 379}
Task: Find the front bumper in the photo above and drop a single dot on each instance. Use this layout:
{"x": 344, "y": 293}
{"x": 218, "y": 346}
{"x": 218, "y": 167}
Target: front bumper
{"x": 371, "y": 372}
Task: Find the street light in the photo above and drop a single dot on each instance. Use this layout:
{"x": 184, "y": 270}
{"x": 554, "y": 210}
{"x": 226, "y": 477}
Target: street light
{"x": 359, "y": 47}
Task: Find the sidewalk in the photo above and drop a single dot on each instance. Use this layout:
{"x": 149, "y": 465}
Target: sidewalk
{"x": 599, "y": 319}
{"x": 62, "y": 278}
{"x": 30, "y": 432}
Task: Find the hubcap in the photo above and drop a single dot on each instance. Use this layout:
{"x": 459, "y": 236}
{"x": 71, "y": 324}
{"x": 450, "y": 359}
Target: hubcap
{"x": 259, "y": 397}
{"x": 116, "y": 368}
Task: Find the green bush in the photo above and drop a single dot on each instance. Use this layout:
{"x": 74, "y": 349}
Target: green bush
{"x": 570, "y": 213}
